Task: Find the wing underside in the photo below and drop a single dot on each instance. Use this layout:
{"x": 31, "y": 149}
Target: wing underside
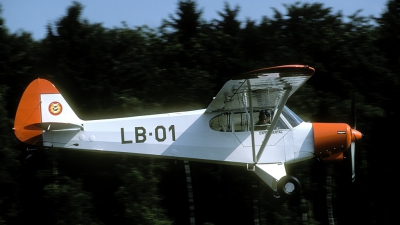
{"x": 266, "y": 88}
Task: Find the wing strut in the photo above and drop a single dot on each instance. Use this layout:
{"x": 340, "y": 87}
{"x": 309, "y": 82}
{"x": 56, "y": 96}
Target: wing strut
{"x": 253, "y": 145}
{"x": 285, "y": 97}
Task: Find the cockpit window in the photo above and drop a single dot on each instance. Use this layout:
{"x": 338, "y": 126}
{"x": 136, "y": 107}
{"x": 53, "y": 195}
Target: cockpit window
{"x": 291, "y": 117}
{"x": 240, "y": 121}
{"x": 228, "y": 122}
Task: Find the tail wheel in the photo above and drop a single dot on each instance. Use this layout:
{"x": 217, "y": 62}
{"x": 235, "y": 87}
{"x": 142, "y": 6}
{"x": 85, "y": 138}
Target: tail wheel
{"x": 289, "y": 186}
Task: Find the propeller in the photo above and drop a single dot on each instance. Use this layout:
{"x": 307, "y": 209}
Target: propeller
{"x": 353, "y": 144}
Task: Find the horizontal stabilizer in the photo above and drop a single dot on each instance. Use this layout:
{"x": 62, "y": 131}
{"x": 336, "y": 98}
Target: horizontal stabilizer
{"x": 54, "y": 126}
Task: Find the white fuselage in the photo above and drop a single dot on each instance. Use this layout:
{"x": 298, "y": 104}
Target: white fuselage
{"x": 185, "y": 135}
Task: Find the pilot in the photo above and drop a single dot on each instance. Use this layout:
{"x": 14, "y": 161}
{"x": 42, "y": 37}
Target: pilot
{"x": 263, "y": 117}
{"x": 268, "y": 117}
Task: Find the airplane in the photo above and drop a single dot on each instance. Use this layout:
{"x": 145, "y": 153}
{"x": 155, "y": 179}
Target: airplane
{"x": 247, "y": 124}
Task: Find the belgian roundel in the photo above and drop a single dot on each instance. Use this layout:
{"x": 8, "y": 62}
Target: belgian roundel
{"x": 55, "y": 108}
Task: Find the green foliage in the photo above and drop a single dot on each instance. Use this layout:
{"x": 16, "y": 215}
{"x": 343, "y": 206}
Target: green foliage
{"x": 229, "y": 23}
{"x": 9, "y": 166}
{"x": 139, "y": 194}
{"x": 389, "y": 33}
{"x": 188, "y": 21}
{"x": 68, "y": 203}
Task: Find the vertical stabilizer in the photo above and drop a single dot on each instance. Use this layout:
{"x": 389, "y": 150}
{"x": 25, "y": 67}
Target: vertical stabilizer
{"x": 41, "y": 108}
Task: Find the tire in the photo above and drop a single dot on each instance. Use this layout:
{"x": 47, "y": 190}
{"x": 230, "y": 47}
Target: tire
{"x": 274, "y": 198}
{"x": 288, "y": 186}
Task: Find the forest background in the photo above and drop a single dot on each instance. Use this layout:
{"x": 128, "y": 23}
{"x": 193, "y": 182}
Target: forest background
{"x": 181, "y": 65}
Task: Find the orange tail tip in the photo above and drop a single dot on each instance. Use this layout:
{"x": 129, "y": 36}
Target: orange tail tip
{"x": 29, "y": 111}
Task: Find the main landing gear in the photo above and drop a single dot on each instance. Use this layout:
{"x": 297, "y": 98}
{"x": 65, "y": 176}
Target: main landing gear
{"x": 288, "y": 186}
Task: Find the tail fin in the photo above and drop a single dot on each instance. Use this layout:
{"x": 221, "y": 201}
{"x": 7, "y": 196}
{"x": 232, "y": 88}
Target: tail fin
{"x": 42, "y": 108}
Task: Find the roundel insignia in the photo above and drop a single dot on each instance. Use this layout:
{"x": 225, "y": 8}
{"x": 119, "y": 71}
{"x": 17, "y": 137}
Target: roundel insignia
{"x": 55, "y": 108}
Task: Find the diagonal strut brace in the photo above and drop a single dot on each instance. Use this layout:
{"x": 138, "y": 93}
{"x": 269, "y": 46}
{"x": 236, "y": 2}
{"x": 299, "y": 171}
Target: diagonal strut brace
{"x": 285, "y": 97}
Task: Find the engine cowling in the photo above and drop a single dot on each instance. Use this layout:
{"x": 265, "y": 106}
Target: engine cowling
{"x": 332, "y": 139}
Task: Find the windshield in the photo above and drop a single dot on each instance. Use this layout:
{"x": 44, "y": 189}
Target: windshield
{"x": 291, "y": 117}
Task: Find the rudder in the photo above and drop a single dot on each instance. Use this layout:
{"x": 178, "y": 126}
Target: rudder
{"x": 42, "y": 108}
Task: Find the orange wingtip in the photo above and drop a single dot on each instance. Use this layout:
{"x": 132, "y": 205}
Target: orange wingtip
{"x": 28, "y": 111}
{"x": 283, "y": 67}
{"x": 283, "y": 71}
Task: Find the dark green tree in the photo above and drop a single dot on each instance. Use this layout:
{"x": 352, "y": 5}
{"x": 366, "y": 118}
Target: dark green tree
{"x": 10, "y": 206}
{"x": 389, "y": 34}
{"x": 68, "y": 203}
{"x": 388, "y": 84}
{"x": 388, "y": 38}
{"x": 114, "y": 66}
{"x": 228, "y": 23}
{"x": 139, "y": 194}
{"x": 17, "y": 60}
{"x": 224, "y": 44}
{"x": 187, "y": 22}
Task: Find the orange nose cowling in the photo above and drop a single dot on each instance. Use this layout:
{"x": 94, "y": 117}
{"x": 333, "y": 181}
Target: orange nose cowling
{"x": 356, "y": 135}
{"x": 332, "y": 139}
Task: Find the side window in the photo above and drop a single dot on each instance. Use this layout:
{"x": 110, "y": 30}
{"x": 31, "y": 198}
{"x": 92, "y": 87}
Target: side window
{"x": 239, "y": 122}
{"x": 228, "y": 122}
{"x": 220, "y": 122}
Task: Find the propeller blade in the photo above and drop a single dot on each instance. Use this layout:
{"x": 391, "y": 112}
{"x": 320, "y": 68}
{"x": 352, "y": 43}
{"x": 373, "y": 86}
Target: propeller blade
{"x": 353, "y": 144}
{"x": 353, "y": 153}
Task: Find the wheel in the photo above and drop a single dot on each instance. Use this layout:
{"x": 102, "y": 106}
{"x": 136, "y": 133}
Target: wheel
{"x": 289, "y": 186}
{"x": 274, "y": 198}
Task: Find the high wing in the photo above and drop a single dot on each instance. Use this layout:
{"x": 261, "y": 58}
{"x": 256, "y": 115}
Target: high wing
{"x": 266, "y": 86}
{"x": 263, "y": 89}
